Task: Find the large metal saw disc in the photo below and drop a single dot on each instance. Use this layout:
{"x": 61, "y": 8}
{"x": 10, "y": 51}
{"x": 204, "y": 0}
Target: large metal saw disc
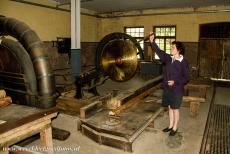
{"x": 119, "y": 59}
{"x": 116, "y": 56}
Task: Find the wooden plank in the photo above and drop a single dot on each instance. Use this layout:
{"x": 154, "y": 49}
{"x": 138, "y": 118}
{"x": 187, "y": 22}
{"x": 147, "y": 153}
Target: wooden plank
{"x": 57, "y": 133}
{"x": 71, "y": 105}
{"x": 193, "y": 99}
{"x": 29, "y": 124}
{"x": 138, "y": 132}
{"x": 194, "y": 107}
{"x": 46, "y": 139}
{"x": 93, "y": 106}
{"x": 186, "y": 99}
{"x": 197, "y": 86}
{"x": 20, "y": 133}
{"x": 18, "y": 129}
{"x": 5, "y": 101}
{"x": 2, "y": 94}
{"x": 115, "y": 139}
{"x": 107, "y": 139}
{"x": 135, "y": 100}
{"x": 13, "y": 124}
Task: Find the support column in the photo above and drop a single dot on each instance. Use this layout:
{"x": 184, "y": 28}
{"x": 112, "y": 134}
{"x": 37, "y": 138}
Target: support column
{"x": 75, "y": 38}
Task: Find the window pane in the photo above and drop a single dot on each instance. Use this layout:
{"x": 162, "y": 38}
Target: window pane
{"x": 142, "y": 30}
{"x": 138, "y": 34}
{"x": 163, "y": 32}
{"x": 142, "y": 34}
{"x": 157, "y": 30}
{"x": 164, "y": 38}
{"x": 167, "y": 31}
{"x": 173, "y": 31}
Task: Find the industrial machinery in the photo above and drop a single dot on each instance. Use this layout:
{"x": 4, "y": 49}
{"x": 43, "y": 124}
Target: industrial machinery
{"x": 116, "y": 58}
{"x": 25, "y": 71}
{"x": 119, "y": 119}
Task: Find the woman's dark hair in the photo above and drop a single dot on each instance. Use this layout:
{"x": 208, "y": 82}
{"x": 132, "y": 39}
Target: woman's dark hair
{"x": 180, "y": 47}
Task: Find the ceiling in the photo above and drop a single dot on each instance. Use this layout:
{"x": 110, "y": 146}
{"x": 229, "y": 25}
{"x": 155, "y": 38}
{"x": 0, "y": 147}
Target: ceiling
{"x": 108, "y": 6}
{"x": 102, "y": 6}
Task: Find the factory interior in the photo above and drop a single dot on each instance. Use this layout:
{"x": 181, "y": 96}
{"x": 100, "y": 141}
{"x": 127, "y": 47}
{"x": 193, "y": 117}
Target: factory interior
{"x": 84, "y": 76}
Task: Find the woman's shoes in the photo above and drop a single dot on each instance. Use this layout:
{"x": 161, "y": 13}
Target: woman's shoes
{"x": 167, "y": 129}
{"x": 170, "y": 130}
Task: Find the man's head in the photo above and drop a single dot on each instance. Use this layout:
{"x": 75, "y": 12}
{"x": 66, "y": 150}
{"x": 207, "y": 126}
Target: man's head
{"x": 177, "y": 48}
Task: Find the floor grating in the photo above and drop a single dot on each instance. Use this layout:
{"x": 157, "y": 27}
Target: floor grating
{"x": 217, "y": 138}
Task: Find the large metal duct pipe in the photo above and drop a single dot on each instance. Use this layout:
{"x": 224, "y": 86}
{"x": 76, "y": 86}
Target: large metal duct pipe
{"x": 23, "y": 58}
{"x": 34, "y": 46}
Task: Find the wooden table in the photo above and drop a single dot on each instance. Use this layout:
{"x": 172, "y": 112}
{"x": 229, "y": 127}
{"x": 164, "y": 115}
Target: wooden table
{"x": 23, "y": 122}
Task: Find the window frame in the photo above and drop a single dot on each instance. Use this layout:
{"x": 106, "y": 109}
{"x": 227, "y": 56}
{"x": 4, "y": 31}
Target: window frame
{"x": 137, "y": 38}
{"x": 164, "y": 37}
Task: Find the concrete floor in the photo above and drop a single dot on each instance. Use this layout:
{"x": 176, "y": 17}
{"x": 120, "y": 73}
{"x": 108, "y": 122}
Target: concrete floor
{"x": 150, "y": 141}
{"x": 222, "y": 96}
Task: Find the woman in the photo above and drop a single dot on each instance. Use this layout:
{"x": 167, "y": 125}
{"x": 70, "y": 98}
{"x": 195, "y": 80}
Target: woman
{"x": 175, "y": 76}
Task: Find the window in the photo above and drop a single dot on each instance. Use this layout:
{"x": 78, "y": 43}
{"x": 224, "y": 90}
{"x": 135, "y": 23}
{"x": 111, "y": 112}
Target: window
{"x": 164, "y": 36}
{"x": 137, "y": 33}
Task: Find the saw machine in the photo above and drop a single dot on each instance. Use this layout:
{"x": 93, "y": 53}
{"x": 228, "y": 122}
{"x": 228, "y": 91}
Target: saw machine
{"x": 116, "y": 58}
{"x": 119, "y": 119}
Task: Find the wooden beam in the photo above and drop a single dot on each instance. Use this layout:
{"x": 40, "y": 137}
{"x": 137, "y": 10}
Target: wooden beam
{"x": 193, "y": 99}
{"x": 186, "y": 99}
{"x": 93, "y": 106}
{"x": 194, "y": 107}
{"x": 46, "y": 139}
{"x": 135, "y": 100}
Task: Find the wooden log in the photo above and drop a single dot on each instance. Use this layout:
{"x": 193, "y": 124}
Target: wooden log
{"x": 5, "y": 101}
{"x": 193, "y": 99}
{"x": 2, "y": 94}
{"x": 194, "y": 107}
{"x": 46, "y": 139}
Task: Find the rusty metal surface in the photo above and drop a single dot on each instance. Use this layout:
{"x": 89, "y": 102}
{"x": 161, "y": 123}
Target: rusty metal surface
{"x": 8, "y": 63}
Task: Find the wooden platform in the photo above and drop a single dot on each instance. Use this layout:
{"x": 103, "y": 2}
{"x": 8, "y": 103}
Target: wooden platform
{"x": 130, "y": 124}
{"x": 70, "y": 105}
{"x": 19, "y": 122}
